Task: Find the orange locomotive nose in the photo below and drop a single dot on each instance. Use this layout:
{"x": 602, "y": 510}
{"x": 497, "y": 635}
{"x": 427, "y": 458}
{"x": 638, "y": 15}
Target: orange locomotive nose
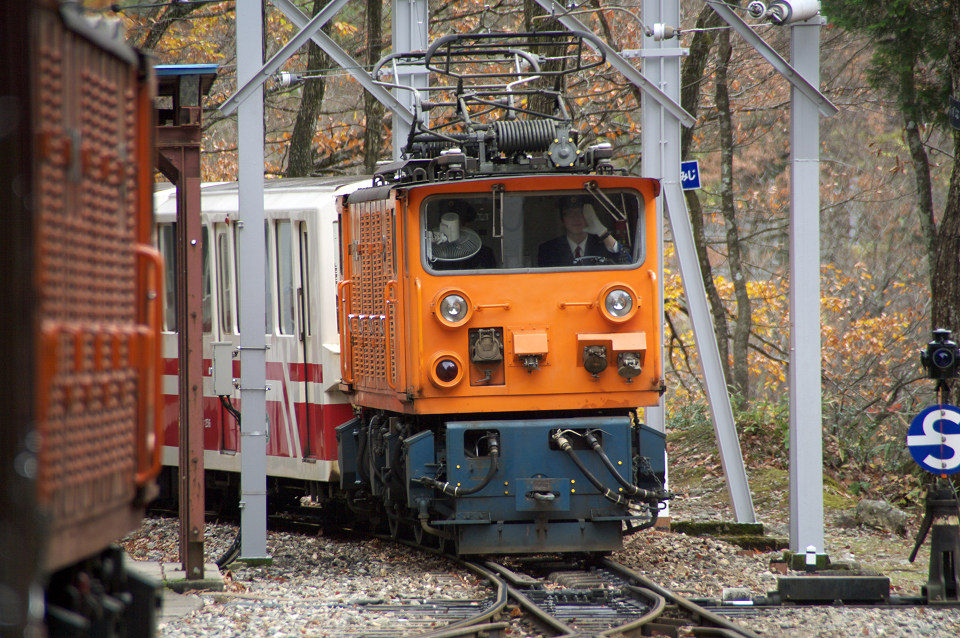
{"x": 489, "y": 311}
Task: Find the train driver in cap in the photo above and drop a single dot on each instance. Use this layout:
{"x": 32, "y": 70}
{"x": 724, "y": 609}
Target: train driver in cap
{"x": 584, "y": 237}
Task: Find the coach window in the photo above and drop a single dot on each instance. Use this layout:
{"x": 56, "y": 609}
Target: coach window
{"x": 166, "y": 238}
{"x": 236, "y": 273}
{"x": 225, "y": 279}
{"x": 207, "y": 292}
{"x": 268, "y": 282}
{"x": 304, "y": 281}
{"x": 285, "y": 283}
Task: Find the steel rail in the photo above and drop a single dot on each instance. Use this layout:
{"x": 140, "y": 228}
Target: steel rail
{"x": 726, "y": 627}
{"x": 659, "y": 599}
{"x": 479, "y": 624}
{"x": 542, "y": 616}
{"x": 657, "y": 605}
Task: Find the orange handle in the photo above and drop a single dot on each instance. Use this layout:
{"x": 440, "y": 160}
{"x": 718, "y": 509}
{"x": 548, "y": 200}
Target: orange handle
{"x": 150, "y": 446}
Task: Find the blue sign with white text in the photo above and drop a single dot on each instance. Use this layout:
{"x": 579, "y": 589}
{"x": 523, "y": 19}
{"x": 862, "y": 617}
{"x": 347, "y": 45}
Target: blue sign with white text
{"x": 934, "y": 439}
{"x": 690, "y": 175}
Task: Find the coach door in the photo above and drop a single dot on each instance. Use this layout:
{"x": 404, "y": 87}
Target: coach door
{"x": 297, "y": 360}
{"x": 306, "y": 300}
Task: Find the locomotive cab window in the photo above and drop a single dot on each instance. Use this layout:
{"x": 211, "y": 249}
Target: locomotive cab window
{"x": 572, "y": 230}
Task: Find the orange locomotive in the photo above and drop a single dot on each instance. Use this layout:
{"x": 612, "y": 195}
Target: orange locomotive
{"x": 500, "y": 323}
{"x": 79, "y": 441}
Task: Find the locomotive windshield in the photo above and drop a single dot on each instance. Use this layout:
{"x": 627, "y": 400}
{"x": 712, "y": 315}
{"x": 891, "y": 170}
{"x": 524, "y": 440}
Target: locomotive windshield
{"x": 522, "y": 231}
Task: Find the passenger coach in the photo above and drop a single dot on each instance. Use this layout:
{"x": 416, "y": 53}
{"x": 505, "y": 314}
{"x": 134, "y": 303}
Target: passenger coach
{"x": 304, "y": 402}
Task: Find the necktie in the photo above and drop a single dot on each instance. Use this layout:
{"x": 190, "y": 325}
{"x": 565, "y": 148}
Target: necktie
{"x": 577, "y": 253}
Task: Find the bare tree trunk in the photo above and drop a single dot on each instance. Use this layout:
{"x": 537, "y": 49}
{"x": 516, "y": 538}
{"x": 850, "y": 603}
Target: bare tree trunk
{"x": 372, "y": 109}
{"x": 943, "y": 239}
{"x": 692, "y": 77}
{"x": 945, "y": 280}
{"x": 740, "y": 382}
{"x": 543, "y": 103}
{"x": 921, "y": 170}
{"x": 301, "y": 158}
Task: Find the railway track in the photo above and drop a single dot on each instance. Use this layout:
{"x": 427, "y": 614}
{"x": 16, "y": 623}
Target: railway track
{"x": 557, "y": 598}
{"x": 554, "y": 595}
{"x": 599, "y": 597}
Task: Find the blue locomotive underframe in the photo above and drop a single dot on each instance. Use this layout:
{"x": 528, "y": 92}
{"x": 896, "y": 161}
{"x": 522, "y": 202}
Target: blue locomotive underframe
{"x": 536, "y": 500}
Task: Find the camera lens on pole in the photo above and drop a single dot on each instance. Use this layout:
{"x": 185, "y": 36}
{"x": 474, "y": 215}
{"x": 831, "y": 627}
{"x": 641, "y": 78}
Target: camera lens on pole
{"x": 941, "y": 359}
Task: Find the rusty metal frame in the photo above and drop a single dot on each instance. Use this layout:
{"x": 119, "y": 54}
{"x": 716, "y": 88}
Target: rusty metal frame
{"x": 178, "y": 159}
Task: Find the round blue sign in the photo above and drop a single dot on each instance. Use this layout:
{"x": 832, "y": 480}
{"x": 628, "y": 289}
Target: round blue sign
{"x": 934, "y": 439}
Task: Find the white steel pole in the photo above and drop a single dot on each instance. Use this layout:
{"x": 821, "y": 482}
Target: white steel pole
{"x": 806, "y": 445}
{"x": 411, "y": 20}
{"x": 659, "y": 70}
{"x": 253, "y": 404}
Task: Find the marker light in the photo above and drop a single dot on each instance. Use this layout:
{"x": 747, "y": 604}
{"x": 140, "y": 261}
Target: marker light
{"x": 446, "y": 369}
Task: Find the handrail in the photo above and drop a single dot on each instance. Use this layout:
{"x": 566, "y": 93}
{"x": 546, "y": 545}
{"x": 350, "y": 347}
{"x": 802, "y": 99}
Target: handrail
{"x": 657, "y": 363}
{"x": 389, "y": 300}
{"x": 492, "y": 306}
{"x": 416, "y": 368}
{"x": 346, "y": 352}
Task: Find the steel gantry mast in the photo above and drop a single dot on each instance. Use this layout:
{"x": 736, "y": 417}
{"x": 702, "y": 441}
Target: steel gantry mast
{"x": 661, "y": 156}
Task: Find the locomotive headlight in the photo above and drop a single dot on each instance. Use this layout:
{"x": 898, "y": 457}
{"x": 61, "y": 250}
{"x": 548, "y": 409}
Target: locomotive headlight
{"x": 452, "y": 308}
{"x": 619, "y": 302}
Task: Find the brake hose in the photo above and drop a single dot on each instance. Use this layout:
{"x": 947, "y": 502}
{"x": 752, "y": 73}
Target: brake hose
{"x": 631, "y": 489}
{"x": 566, "y": 447}
{"x": 456, "y": 490}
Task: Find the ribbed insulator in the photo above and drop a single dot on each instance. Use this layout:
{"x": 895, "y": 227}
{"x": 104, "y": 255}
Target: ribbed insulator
{"x": 525, "y": 136}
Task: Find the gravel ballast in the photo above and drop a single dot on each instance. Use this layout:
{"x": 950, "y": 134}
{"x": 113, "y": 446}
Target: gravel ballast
{"x": 343, "y": 585}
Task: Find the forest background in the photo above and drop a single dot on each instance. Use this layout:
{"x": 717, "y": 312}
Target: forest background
{"x": 889, "y": 189}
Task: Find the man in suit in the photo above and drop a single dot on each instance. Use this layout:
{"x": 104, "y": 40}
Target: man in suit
{"x": 584, "y": 237}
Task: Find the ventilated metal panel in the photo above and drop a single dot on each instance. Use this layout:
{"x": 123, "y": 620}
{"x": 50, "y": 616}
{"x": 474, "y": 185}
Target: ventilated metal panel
{"x": 90, "y": 345}
{"x": 371, "y": 316}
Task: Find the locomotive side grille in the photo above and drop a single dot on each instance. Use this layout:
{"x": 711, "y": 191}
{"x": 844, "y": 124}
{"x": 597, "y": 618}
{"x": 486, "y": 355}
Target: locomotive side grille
{"x": 376, "y": 268}
{"x": 90, "y": 342}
